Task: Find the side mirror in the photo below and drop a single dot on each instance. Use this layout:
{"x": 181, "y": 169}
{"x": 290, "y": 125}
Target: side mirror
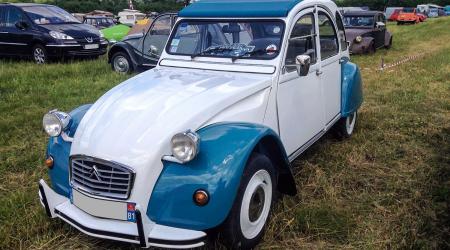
{"x": 153, "y": 50}
{"x": 21, "y": 25}
{"x": 302, "y": 62}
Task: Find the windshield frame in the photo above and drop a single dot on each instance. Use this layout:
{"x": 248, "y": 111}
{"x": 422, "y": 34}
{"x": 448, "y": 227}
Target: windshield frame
{"x": 359, "y": 16}
{"x": 28, "y": 14}
{"x": 219, "y": 20}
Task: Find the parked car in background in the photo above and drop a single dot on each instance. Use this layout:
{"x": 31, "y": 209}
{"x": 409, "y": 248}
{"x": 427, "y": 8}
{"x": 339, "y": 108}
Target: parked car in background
{"x": 422, "y": 17}
{"x": 130, "y": 17}
{"x": 366, "y": 31}
{"x": 447, "y": 10}
{"x": 433, "y": 13}
{"x": 392, "y": 13}
{"x": 408, "y": 15}
{"x": 115, "y": 33}
{"x": 141, "y": 51}
{"x": 99, "y": 22}
{"x": 42, "y": 31}
{"x": 203, "y": 143}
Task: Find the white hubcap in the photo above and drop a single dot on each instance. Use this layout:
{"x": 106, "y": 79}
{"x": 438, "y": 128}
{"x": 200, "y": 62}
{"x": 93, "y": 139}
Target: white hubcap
{"x": 121, "y": 64}
{"x": 350, "y": 123}
{"x": 256, "y": 203}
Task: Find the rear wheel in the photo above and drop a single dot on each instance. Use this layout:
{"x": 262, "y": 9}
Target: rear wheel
{"x": 246, "y": 222}
{"x": 39, "y": 54}
{"x": 121, "y": 63}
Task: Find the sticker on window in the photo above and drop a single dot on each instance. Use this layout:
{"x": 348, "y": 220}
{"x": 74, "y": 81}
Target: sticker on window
{"x": 271, "y": 49}
{"x": 175, "y": 42}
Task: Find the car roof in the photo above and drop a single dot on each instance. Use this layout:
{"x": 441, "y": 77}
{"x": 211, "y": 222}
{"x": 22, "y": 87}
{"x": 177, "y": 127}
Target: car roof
{"x": 239, "y": 8}
{"x": 27, "y": 4}
{"x": 362, "y": 13}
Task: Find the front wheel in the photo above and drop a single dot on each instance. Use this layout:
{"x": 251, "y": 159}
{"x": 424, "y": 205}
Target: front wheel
{"x": 121, "y": 63}
{"x": 39, "y": 54}
{"x": 346, "y": 125}
{"x": 245, "y": 225}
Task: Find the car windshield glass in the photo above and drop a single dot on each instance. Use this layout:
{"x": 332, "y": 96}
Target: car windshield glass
{"x": 251, "y": 39}
{"x": 358, "y": 21}
{"x": 408, "y": 10}
{"x": 49, "y": 15}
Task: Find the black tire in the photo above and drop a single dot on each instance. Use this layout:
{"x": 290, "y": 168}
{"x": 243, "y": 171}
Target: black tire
{"x": 399, "y": 23}
{"x": 389, "y": 45}
{"x": 232, "y": 234}
{"x": 345, "y": 127}
{"x": 121, "y": 63}
{"x": 39, "y": 54}
{"x": 371, "y": 49}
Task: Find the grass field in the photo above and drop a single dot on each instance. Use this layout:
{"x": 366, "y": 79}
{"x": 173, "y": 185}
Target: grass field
{"x": 386, "y": 187}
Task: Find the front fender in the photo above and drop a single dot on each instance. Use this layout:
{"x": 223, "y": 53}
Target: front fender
{"x": 362, "y": 47}
{"x": 224, "y": 151}
{"x": 126, "y": 48}
{"x": 60, "y": 150}
{"x": 352, "y": 95}
{"x": 387, "y": 38}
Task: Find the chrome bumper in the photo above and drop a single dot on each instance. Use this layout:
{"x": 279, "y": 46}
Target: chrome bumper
{"x": 144, "y": 232}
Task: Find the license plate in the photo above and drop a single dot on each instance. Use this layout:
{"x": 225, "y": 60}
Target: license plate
{"x": 91, "y": 46}
{"x": 104, "y": 208}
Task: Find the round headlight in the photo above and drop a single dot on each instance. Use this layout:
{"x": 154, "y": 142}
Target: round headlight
{"x": 358, "y": 39}
{"x": 185, "y": 146}
{"x": 54, "y": 122}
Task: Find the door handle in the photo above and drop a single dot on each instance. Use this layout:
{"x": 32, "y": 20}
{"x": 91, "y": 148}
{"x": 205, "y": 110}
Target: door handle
{"x": 344, "y": 60}
{"x": 318, "y": 72}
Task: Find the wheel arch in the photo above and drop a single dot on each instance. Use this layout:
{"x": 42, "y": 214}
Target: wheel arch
{"x": 224, "y": 152}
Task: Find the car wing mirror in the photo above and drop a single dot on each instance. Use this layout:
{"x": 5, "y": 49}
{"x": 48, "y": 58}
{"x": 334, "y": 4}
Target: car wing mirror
{"x": 302, "y": 63}
{"x": 21, "y": 25}
{"x": 153, "y": 50}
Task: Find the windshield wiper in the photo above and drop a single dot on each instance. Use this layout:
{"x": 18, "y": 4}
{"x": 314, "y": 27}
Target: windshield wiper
{"x": 251, "y": 53}
{"x": 214, "y": 49}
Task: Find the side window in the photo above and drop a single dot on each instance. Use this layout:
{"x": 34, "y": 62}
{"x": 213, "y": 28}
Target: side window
{"x": 327, "y": 36}
{"x": 12, "y": 16}
{"x": 302, "y": 41}
{"x": 2, "y": 16}
{"x": 157, "y": 37}
{"x": 341, "y": 32}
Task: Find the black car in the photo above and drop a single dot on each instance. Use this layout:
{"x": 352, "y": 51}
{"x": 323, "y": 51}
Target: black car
{"x": 142, "y": 51}
{"x": 99, "y": 22}
{"x": 45, "y": 31}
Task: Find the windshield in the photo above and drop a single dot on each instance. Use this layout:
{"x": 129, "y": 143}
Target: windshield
{"x": 408, "y": 10}
{"x": 255, "y": 39}
{"x": 49, "y": 15}
{"x": 358, "y": 21}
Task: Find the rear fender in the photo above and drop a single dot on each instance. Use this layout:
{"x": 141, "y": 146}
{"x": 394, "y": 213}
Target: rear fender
{"x": 352, "y": 95}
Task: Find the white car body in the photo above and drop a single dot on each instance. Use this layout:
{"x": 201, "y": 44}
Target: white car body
{"x": 132, "y": 124}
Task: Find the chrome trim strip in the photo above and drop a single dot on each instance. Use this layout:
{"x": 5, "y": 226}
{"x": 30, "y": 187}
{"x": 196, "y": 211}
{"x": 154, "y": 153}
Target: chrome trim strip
{"x": 63, "y": 45}
{"x": 21, "y": 44}
{"x": 171, "y": 158}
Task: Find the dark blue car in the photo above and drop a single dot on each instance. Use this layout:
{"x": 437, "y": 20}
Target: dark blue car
{"x": 43, "y": 31}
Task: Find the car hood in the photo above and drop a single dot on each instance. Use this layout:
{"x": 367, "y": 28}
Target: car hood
{"x": 351, "y": 34}
{"x": 135, "y": 121}
{"x": 76, "y": 30}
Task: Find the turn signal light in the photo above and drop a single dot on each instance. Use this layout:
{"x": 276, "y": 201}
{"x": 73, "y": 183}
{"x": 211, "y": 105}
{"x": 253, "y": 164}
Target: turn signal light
{"x": 201, "y": 197}
{"x": 49, "y": 162}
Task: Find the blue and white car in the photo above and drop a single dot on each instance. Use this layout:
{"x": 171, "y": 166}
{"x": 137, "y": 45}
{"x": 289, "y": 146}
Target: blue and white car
{"x": 205, "y": 140}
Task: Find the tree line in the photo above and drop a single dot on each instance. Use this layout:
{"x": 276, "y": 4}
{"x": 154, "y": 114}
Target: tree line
{"x": 114, "y": 6}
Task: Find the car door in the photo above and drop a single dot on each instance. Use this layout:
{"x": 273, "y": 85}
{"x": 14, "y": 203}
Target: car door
{"x": 330, "y": 68}
{"x": 155, "y": 40}
{"x": 379, "y": 30}
{"x": 300, "y": 100}
{"x": 3, "y": 33}
{"x": 18, "y": 40}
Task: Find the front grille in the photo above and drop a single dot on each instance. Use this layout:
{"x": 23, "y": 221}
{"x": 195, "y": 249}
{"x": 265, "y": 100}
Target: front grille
{"x": 101, "y": 178}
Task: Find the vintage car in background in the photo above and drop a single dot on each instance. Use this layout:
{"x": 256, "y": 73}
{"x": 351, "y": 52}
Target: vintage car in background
{"x": 43, "y": 32}
{"x": 422, "y": 17}
{"x": 99, "y": 22}
{"x": 366, "y": 31}
{"x": 204, "y": 141}
{"x": 115, "y": 33}
{"x": 141, "y": 51}
{"x": 408, "y": 15}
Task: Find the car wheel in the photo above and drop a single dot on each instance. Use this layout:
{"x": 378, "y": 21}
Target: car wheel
{"x": 346, "y": 125}
{"x": 371, "y": 49}
{"x": 246, "y": 222}
{"x": 39, "y": 54}
{"x": 389, "y": 44}
{"x": 121, "y": 63}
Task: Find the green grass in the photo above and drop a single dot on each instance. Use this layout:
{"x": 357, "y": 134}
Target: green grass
{"x": 386, "y": 187}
